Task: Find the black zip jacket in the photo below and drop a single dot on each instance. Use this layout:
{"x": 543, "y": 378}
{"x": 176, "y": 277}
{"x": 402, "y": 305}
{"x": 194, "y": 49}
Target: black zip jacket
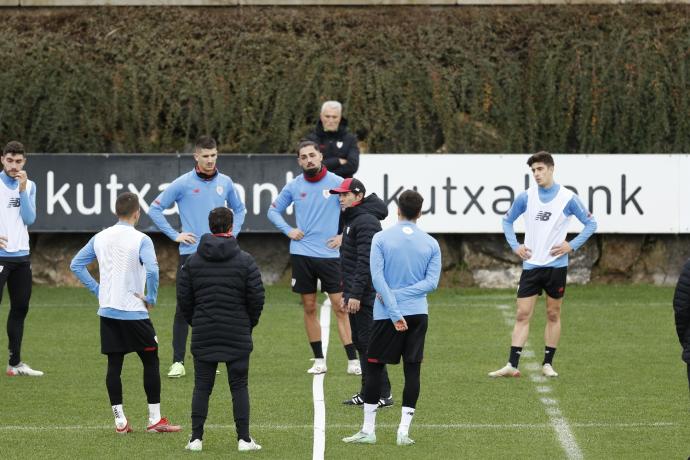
{"x": 220, "y": 294}
{"x": 360, "y": 224}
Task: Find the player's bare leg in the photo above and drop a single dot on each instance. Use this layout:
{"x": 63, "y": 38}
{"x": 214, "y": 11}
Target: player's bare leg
{"x": 343, "y": 318}
{"x": 313, "y": 328}
{"x": 523, "y": 315}
{"x": 311, "y": 319}
{"x": 345, "y": 333}
{"x": 525, "y": 309}
{"x": 552, "y": 334}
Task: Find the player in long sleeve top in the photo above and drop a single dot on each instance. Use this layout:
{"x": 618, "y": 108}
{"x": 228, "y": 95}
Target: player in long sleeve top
{"x": 196, "y": 193}
{"x": 128, "y": 287}
{"x": 17, "y": 212}
{"x": 314, "y": 248}
{"x": 405, "y": 266}
{"x": 547, "y": 210}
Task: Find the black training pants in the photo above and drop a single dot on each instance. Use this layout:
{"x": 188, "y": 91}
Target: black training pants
{"x": 17, "y": 275}
{"x": 360, "y": 324}
{"x": 204, "y": 378}
{"x": 411, "y": 390}
{"x": 180, "y": 327}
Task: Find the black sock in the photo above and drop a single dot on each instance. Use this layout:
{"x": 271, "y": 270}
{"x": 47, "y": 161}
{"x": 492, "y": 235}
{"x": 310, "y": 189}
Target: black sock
{"x": 548, "y": 355}
{"x": 316, "y": 348}
{"x": 351, "y": 351}
{"x": 514, "y": 359}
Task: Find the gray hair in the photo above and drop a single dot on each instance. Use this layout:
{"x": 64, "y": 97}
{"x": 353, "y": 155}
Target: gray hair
{"x": 332, "y": 105}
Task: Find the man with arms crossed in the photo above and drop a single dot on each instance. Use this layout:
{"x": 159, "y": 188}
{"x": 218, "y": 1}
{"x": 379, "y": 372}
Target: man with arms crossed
{"x": 547, "y": 209}
{"x": 314, "y": 248}
{"x": 405, "y": 267}
{"x": 17, "y": 212}
{"x": 127, "y": 263}
{"x": 196, "y": 194}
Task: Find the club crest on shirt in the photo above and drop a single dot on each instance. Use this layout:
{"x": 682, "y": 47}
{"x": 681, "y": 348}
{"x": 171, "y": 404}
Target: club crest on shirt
{"x": 326, "y": 193}
{"x": 1, "y": 267}
{"x": 219, "y": 190}
{"x": 347, "y": 230}
{"x": 339, "y": 144}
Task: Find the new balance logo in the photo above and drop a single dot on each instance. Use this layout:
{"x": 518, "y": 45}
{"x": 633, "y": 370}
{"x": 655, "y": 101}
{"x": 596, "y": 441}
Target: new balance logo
{"x": 543, "y": 216}
{"x": 13, "y": 203}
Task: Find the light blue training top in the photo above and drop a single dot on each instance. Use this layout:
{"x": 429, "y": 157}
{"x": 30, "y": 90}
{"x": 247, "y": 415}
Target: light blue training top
{"x": 195, "y": 198}
{"x": 405, "y": 266}
{"x": 317, "y": 213}
{"x": 573, "y": 208}
{"x": 27, "y": 208}
{"x": 147, "y": 255}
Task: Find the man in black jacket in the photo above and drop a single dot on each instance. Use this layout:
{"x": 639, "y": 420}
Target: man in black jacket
{"x": 339, "y": 147}
{"x": 221, "y": 296}
{"x": 361, "y": 219}
{"x": 681, "y": 307}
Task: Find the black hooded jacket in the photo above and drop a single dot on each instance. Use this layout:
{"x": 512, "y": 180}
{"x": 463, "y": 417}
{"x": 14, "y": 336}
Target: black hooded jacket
{"x": 336, "y": 145}
{"x": 681, "y": 307}
{"x": 360, "y": 224}
{"x": 220, "y": 294}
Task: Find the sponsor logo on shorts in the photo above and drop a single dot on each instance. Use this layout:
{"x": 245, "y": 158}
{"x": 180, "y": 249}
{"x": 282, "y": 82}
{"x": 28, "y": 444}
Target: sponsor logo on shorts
{"x": 293, "y": 282}
{"x": 543, "y": 216}
{"x": 1, "y": 268}
{"x": 155, "y": 337}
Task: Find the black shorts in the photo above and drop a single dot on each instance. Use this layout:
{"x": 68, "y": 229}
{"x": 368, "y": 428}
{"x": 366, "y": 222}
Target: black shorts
{"x": 306, "y": 270}
{"x": 552, "y": 280}
{"x": 387, "y": 345}
{"x": 125, "y": 336}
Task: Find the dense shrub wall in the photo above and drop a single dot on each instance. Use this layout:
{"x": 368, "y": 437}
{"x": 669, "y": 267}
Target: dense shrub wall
{"x": 475, "y": 79}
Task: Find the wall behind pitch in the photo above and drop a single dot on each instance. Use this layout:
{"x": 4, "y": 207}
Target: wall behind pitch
{"x": 463, "y": 193}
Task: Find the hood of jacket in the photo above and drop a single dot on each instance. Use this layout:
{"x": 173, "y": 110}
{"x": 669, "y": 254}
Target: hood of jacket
{"x": 217, "y": 248}
{"x": 371, "y": 204}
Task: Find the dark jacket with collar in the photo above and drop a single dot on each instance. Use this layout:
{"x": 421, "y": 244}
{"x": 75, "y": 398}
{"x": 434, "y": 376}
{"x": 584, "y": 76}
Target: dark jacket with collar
{"x": 681, "y": 307}
{"x": 336, "y": 145}
{"x": 220, "y": 294}
{"x": 360, "y": 224}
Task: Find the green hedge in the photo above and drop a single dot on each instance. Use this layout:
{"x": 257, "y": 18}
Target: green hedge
{"x": 484, "y": 79}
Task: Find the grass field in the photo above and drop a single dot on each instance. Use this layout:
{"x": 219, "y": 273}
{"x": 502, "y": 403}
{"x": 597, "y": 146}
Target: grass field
{"x": 622, "y": 392}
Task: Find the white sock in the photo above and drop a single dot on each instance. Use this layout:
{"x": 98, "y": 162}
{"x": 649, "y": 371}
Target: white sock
{"x": 154, "y": 413}
{"x": 369, "y": 418}
{"x": 405, "y": 420}
{"x": 119, "y": 413}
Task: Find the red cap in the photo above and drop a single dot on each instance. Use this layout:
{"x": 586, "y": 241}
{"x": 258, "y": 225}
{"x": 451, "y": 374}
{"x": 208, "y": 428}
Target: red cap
{"x": 350, "y": 185}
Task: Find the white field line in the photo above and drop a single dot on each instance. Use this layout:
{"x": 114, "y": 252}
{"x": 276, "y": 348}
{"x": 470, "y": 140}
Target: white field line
{"x": 319, "y": 449}
{"x": 557, "y": 421}
{"x": 287, "y": 427}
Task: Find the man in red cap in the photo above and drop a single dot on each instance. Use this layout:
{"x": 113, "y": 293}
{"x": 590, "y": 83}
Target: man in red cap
{"x": 361, "y": 219}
